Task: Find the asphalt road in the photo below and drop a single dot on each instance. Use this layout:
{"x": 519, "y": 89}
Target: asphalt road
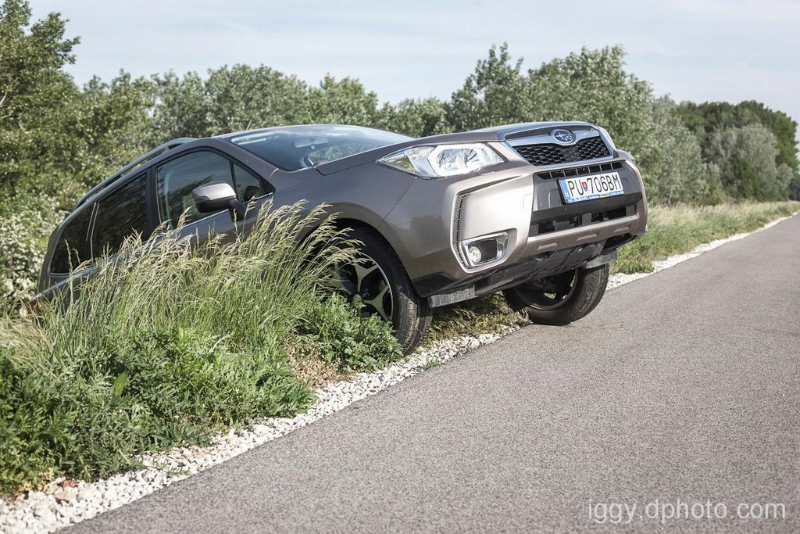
{"x": 683, "y": 387}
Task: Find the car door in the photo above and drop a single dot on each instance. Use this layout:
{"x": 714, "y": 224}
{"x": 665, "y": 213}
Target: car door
{"x": 176, "y": 178}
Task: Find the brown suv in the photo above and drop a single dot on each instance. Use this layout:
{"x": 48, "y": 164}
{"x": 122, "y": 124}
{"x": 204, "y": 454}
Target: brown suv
{"x": 536, "y": 210}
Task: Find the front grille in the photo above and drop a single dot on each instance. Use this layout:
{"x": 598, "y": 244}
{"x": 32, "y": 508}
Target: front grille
{"x": 586, "y": 149}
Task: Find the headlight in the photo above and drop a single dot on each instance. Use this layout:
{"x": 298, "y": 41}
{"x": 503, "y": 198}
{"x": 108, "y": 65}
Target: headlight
{"x": 442, "y": 160}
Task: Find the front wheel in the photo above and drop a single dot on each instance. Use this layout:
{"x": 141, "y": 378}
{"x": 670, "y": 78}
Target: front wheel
{"x": 382, "y": 287}
{"x": 562, "y": 298}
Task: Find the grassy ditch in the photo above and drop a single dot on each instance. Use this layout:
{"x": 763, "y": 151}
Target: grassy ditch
{"x": 672, "y": 230}
{"x": 173, "y": 343}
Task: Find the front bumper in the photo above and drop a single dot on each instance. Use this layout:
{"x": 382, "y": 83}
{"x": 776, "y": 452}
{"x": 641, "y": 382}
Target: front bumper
{"x": 545, "y": 235}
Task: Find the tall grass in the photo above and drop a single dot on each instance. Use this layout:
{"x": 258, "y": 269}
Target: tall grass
{"x": 173, "y": 341}
{"x": 678, "y": 229}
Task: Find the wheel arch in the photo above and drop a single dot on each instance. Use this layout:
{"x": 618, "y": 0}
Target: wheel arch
{"x": 343, "y": 223}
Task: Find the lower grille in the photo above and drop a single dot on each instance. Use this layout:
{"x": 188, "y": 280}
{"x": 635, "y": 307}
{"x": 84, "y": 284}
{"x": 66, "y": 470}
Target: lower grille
{"x": 583, "y": 214}
{"x": 552, "y": 154}
{"x": 581, "y": 171}
{"x": 584, "y": 220}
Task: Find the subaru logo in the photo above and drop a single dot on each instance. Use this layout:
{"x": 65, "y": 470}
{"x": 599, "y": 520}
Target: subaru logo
{"x": 563, "y": 136}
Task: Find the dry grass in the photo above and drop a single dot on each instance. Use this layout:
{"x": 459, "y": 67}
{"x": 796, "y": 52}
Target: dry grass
{"x": 679, "y": 229}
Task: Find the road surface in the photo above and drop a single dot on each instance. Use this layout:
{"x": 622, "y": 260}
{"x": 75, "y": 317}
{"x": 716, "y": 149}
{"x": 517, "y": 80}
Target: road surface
{"x": 683, "y": 387}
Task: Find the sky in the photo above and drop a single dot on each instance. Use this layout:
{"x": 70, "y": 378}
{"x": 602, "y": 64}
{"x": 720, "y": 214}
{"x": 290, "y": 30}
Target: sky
{"x": 699, "y": 50}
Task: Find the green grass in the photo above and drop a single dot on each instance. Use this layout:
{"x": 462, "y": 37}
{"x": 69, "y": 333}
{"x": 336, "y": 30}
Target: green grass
{"x": 489, "y": 314}
{"x": 175, "y": 342}
{"x": 672, "y": 230}
{"x": 678, "y": 229}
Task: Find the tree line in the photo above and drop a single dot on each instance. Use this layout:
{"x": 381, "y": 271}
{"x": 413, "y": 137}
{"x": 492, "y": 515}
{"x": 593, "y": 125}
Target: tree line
{"x": 58, "y": 139}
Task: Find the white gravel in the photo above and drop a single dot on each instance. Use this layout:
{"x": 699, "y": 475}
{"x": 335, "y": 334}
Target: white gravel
{"x": 56, "y": 506}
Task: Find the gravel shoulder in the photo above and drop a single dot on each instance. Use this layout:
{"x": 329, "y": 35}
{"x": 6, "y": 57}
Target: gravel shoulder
{"x": 56, "y": 506}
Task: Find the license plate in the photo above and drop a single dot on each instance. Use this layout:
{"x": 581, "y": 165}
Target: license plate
{"x": 591, "y": 187}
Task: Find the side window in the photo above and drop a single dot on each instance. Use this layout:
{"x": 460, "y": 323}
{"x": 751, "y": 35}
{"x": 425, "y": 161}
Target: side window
{"x": 73, "y": 244}
{"x": 177, "y": 178}
{"x": 120, "y": 214}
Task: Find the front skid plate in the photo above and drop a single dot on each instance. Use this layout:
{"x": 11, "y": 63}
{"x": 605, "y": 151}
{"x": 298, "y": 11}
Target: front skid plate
{"x": 540, "y": 266}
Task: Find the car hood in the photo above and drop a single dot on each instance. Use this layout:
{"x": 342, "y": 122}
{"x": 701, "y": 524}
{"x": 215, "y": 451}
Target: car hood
{"x": 495, "y": 133}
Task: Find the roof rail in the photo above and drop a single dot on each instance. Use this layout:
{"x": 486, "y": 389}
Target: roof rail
{"x": 169, "y": 145}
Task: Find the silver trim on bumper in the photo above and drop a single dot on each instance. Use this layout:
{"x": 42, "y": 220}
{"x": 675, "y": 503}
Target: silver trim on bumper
{"x": 581, "y": 235}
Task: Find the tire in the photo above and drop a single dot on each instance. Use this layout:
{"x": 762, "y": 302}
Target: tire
{"x": 560, "y": 299}
{"x": 409, "y": 314}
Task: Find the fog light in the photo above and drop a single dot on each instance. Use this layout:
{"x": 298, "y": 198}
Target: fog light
{"x": 474, "y": 254}
{"x": 484, "y": 249}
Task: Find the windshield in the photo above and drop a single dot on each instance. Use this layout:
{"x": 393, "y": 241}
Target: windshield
{"x": 298, "y": 147}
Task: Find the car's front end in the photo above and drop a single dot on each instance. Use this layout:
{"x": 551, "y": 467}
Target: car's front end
{"x": 557, "y": 197}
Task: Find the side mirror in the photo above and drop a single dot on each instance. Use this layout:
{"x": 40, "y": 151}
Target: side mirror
{"x": 217, "y": 196}
{"x": 213, "y": 197}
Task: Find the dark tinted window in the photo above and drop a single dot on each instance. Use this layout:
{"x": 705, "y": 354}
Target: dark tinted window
{"x": 297, "y": 147}
{"x": 73, "y": 245}
{"x": 120, "y": 214}
{"x": 177, "y": 179}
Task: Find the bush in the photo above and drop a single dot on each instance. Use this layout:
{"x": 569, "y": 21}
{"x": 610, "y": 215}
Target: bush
{"x": 349, "y": 341}
{"x": 23, "y": 240}
{"x": 172, "y": 342}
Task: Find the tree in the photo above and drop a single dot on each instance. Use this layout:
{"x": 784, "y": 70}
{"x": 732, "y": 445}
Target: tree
{"x": 110, "y": 126}
{"x": 181, "y": 108}
{"x": 747, "y": 157}
{"x": 230, "y": 99}
{"x": 342, "y": 102}
{"x": 55, "y": 139}
{"x": 417, "y": 118}
{"x": 672, "y": 161}
{"x": 242, "y": 98}
{"x": 35, "y": 95}
{"x": 593, "y": 86}
{"x": 794, "y": 187}
{"x": 782, "y": 127}
{"x": 708, "y": 117}
{"x": 495, "y": 94}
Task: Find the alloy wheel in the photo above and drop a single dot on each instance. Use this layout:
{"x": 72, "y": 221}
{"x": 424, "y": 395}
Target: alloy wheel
{"x": 365, "y": 283}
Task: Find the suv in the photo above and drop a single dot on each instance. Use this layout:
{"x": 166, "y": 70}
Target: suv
{"x": 536, "y": 210}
